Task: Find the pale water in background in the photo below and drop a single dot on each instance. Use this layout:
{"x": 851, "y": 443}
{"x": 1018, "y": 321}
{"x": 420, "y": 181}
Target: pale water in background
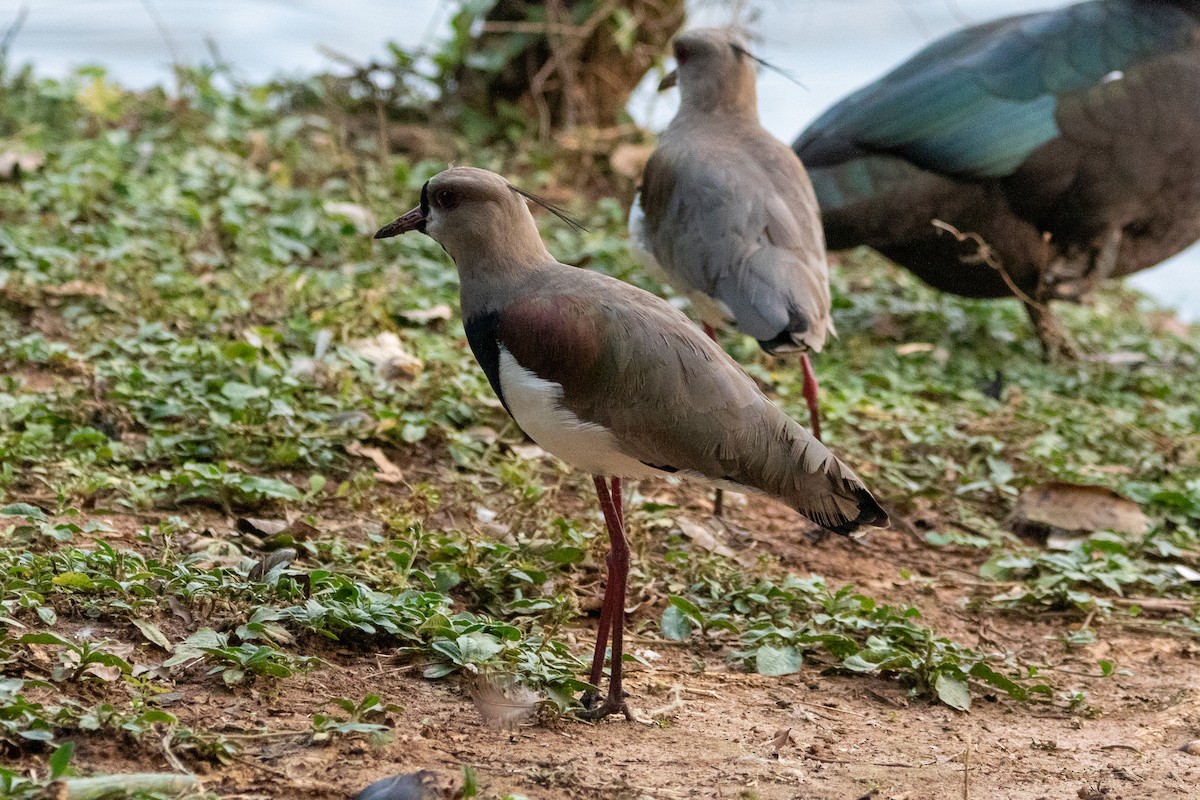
{"x": 831, "y": 46}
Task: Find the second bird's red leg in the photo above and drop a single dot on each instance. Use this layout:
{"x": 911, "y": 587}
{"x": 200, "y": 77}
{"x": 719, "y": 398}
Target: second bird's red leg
{"x": 810, "y": 394}
{"x": 719, "y": 495}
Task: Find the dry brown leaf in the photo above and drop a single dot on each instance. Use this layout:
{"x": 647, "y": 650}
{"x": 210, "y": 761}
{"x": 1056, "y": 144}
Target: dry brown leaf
{"x": 885, "y": 326}
{"x": 629, "y": 159}
{"x": 1118, "y": 358}
{"x": 300, "y": 531}
{"x": 423, "y": 316}
{"x": 1167, "y": 322}
{"x": 388, "y": 355}
{"x": 261, "y": 527}
{"x": 1187, "y": 573}
{"x": 361, "y": 217}
{"x": 104, "y": 673}
{"x": 528, "y": 452}
{"x": 913, "y": 347}
{"x": 283, "y": 556}
{"x": 703, "y": 536}
{"x": 781, "y": 739}
{"x": 12, "y": 163}
{"x": 76, "y": 289}
{"x": 1078, "y": 507}
{"x": 271, "y": 534}
{"x": 385, "y": 469}
{"x": 179, "y": 609}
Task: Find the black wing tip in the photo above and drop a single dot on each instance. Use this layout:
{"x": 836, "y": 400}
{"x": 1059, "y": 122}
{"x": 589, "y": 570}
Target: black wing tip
{"x": 791, "y": 338}
{"x": 782, "y": 344}
{"x": 870, "y": 514}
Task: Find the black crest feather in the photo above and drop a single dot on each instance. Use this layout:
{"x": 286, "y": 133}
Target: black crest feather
{"x": 768, "y": 65}
{"x": 555, "y": 210}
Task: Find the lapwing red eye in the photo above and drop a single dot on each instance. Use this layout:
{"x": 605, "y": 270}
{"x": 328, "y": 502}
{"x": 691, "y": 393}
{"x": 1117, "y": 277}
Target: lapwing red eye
{"x": 681, "y": 54}
{"x": 445, "y": 199}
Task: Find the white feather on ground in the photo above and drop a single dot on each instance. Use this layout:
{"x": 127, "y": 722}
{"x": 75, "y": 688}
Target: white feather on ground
{"x": 503, "y": 703}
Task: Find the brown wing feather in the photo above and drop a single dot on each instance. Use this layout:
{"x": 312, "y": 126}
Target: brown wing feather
{"x": 672, "y": 398}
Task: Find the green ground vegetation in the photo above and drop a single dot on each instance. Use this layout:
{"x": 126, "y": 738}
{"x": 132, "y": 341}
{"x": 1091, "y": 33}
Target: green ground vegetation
{"x": 191, "y": 312}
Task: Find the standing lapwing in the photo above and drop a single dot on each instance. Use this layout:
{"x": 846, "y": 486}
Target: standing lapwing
{"x": 727, "y": 211}
{"x": 616, "y": 382}
{"x": 1032, "y": 156}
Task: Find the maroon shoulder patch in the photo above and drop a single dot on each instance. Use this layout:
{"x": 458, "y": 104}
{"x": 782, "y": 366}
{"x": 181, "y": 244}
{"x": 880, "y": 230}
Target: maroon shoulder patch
{"x": 558, "y": 338}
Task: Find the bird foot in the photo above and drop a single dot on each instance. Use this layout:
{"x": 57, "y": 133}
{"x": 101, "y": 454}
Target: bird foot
{"x": 718, "y": 503}
{"x": 734, "y": 532}
{"x": 611, "y": 705}
{"x": 1057, "y": 345}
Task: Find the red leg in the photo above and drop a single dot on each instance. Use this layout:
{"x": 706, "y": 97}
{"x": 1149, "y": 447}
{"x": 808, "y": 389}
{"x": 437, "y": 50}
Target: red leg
{"x": 810, "y": 394}
{"x": 606, "y": 609}
{"x": 719, "y": 494}
{"x": 613, "y": 610}
{"x": 601, "y": 648}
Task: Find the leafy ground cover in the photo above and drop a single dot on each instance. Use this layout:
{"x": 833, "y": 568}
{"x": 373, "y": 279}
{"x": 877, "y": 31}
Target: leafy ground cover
{"x": 263, "y": 520}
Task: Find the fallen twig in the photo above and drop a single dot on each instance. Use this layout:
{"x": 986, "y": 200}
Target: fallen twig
{"x": 671, "y": 707}
{"x": 105, "y": 785}
{"x": 826, "y": 760}
{"x": 967, "y": 769}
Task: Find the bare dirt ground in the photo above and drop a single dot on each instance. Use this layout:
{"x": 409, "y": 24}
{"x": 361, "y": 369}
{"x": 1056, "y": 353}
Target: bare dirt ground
{"x": 728, "y": 734}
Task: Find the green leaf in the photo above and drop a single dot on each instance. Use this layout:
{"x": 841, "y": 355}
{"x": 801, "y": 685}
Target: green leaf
{"x": 565, "y": 555}
{"x": 446, "y": 579}
{"x": 73, "y": 580}
{"x": 856, "y": 663}
{"x": 153, "y": 634}
{"x": 60, "y": 759}
{"x": 769, "y": 660}
{"x": 239, "y": 393}
{"x": 436, "y": 671}
{"x": 23, "y": 510}
{"x": 675, "y": 625}
{"x": 687, "y": 607}
{"x": 45, "y": 638}
{"x": 477, "y": 648}
{"x": 1005, "y": 684}
{"x": 412, "y": 433}
{"x": 953, "y": 692}
{"x": 195, "y": 646}
{"x": 470, "y": 782}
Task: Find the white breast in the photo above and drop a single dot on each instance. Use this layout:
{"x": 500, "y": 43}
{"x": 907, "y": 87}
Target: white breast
{"x": 536, "y": 405}
{"x": 639, "y": 237}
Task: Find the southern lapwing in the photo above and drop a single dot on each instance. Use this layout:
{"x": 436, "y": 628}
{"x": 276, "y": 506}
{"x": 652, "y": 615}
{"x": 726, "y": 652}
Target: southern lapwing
{"x": 727, "y": 212}
{"x": 1032, "y": 156}
{"x": 616, "y": 382}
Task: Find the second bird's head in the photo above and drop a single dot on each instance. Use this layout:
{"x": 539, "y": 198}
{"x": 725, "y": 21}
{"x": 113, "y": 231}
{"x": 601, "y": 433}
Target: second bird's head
{"x": 714, "y": 71}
